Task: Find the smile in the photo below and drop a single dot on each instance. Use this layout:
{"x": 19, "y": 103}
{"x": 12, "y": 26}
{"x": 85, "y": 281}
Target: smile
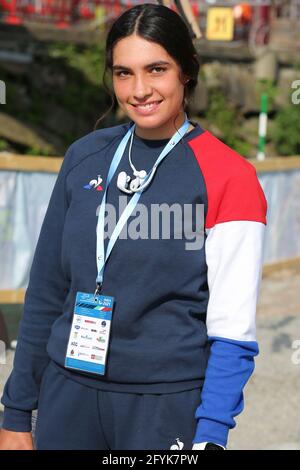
{"x": 147, "y": 108}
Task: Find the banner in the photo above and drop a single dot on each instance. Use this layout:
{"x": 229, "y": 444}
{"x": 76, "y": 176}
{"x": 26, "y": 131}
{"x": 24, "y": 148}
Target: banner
{"x": 24, "y": 198}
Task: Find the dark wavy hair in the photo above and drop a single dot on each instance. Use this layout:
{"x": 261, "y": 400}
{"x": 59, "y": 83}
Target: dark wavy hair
{"x": 159, "y": 24}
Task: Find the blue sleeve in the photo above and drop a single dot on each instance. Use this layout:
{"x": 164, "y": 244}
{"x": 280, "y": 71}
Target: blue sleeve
{"x": 234, "y": 254}
{"x": 43, "y": 304}
{"x": 230, "y": 365}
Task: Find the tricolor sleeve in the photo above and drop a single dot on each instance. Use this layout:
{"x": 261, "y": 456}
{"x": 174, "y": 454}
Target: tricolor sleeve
{"x": 235, "y": 227}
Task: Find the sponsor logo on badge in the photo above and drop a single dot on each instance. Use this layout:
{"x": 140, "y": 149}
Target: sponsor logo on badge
{"x": 83, "y": 354}
{"x": 86, "y": 337}
{"x": 100, "y": 339}
{"x": 94, "y": 356}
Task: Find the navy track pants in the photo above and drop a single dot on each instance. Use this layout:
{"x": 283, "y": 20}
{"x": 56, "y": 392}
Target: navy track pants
{"x": 73, "y": 416}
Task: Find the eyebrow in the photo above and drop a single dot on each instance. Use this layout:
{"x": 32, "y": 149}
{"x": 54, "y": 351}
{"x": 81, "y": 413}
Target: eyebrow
{"x": 158, "y": 62}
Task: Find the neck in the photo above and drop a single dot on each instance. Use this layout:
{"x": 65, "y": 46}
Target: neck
{"x": 163, "y": 132}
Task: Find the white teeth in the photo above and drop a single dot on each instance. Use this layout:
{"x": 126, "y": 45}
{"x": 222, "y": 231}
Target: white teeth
{"x": 147, "y": 105}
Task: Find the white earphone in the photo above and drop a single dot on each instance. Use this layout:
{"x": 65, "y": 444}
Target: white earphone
{"x": 142, "y": 179}
{"x": 124, "y": 182}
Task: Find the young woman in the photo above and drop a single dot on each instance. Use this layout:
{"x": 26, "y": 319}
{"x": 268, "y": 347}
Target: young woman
{"x": 143, "y": 339}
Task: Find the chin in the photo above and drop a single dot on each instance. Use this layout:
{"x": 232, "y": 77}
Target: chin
{"x": 150, "y": 121}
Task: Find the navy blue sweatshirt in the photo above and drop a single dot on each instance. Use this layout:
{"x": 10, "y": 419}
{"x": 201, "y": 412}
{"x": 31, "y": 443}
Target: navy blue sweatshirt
{"x": 183, "y": 318}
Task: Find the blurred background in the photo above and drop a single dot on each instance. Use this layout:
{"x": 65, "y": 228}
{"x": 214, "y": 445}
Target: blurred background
{"x": 248, "y": 95}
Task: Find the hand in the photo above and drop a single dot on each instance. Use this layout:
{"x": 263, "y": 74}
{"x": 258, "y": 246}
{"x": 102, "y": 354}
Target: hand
{"x": 207, "y": 446}
{"x": 12, "y": 440}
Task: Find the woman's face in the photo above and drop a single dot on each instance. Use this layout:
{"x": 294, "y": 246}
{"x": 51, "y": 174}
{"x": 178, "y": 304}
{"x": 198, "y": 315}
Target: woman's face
{"x": 136, "y": 81}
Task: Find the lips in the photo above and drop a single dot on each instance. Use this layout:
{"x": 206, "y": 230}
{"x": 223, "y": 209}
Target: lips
{"x": 150, "y": 102}
{"x": 146, "y": 110}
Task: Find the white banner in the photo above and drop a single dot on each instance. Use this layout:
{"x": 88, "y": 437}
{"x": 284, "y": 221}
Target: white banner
{"x": 282, "y": 190}
{"x": 24, "y": 198}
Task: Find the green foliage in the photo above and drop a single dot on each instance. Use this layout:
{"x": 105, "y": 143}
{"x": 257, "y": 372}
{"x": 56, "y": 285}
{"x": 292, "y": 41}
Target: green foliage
{"x": 3, "y": 145}
{"x": 286, "y": 132}
{"x": 296, "y": 65}
{"x": 67, "y": 77}
{"x": 222, "y": 115}
{"x": 37, "y": 151}
{"x": 82, "y": 67}
{"x": 267, "y": 87}
{"x": 89, "y": 60}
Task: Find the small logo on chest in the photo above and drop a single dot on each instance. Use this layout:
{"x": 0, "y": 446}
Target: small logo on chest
{"x": 178, "y": 446}
{"x": 95, "y": 184}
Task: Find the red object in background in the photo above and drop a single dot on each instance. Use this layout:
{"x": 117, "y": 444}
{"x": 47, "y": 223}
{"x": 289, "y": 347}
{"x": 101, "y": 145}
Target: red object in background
{"x": 29, "y": 9}
{"x": 264, "y": 14}
{"x": 195, "y": 10}
{"x": 11, "y": 8}
{"x": 64, "y": 10}
{"x": 264, "y": 18}
{"x": 5, "y": 5}
{"x": 85, "y": 11}
{"x": 62, "y": 13}
{"x": 242, "y": 13}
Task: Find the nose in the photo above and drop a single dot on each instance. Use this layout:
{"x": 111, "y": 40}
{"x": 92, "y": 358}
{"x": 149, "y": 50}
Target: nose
{"x": 141, "y": 88}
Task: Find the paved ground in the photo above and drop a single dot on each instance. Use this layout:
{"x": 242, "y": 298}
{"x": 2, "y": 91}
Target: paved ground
{"x": 271, "y": 419}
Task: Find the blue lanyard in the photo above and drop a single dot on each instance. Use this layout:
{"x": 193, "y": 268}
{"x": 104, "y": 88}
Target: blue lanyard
{"x": 101, "y": 259}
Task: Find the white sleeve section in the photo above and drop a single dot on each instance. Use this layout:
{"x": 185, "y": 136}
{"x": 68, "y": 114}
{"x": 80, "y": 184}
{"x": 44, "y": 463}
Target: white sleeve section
{"x": 234, "y": 252}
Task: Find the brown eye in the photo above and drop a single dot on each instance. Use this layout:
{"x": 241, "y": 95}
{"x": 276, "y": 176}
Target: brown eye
{"x": 158, "y": 68}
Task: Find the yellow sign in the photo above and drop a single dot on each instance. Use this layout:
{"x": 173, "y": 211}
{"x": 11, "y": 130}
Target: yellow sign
{"x": 100, "y": 14}
{"x": 220, "y": 24}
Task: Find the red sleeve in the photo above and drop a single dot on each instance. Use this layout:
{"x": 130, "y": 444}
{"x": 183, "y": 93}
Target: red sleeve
{"x": 233, "y": 189}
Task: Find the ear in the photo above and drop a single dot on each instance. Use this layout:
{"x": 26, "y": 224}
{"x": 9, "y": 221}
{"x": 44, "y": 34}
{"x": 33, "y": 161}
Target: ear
{"x": 184, "y": 78}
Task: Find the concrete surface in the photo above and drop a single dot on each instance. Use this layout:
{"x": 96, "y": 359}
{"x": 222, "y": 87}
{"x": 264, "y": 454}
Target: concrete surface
{"x": 271, "y": 418}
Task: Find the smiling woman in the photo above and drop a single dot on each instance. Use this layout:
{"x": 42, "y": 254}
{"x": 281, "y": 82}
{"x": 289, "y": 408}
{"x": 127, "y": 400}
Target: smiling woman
{"x": 156, "y": 357}
{"x": 154, "y": 69}
{"x": 152, "y": 95}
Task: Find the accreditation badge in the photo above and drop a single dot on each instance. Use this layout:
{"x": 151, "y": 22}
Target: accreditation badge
{"x": 90, "y": 331}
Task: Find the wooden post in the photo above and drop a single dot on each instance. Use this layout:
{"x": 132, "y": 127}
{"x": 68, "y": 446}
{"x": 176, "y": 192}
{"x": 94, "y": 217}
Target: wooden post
{"x": 189, "y": 15}
{"x": 185, "y": 9}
